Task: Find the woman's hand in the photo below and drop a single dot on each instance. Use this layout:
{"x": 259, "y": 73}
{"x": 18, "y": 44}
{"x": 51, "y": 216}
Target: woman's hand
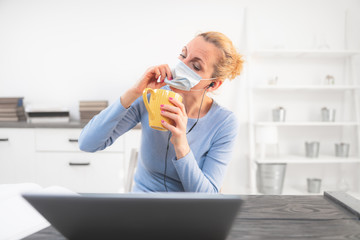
{"x": 150, "y": 77}
{"x": 177, "y": 113}
{"x": 148, "y": 80}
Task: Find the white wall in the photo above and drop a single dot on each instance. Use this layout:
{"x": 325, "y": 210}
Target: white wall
{"x": 60, "y": 52}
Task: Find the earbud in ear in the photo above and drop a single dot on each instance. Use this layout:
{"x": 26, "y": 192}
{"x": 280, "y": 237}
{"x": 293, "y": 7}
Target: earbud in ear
{"x": 211, "y": 84}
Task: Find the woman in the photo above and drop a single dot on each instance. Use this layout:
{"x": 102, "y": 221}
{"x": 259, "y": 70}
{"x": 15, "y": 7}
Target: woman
{"x": 197, "y": 157}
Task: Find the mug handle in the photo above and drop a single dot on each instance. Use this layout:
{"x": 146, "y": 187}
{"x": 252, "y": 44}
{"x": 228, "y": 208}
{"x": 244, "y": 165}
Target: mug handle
{"x": 151, "y": 113}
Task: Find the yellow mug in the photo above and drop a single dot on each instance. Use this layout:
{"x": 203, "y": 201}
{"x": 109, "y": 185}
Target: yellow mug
{"x": 157, "y": 98}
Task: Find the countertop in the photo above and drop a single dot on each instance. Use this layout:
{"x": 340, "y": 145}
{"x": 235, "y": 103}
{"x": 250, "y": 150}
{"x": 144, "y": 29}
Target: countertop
{"x": 71, "y": 124}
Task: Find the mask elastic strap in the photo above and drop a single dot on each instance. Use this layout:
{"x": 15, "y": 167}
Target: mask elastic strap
{"x": 201, "y": 89}
{"x": 196, "y": 90}
{"x": 207, "y": 79}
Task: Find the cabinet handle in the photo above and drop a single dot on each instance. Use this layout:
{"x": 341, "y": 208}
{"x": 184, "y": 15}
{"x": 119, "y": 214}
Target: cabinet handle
{"x": 4, "y": 139}
{"x": 73, "y": 140}
{"x": 79, "y": 164}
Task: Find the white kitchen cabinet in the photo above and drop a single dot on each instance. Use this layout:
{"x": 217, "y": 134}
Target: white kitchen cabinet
{"x": 60, "y": 162}
{"x": 51, "y": 156}
{"x": 81, "y": 172}
{"x": 17, "y": 154}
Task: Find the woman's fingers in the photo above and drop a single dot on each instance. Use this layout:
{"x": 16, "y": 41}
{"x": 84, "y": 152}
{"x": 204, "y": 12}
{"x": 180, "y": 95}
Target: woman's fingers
{"x": 173, "y": 116}
{"x": 160, "y": 72}
{"x": 168, "y": 126}
{"x": 176, "y": 114}
{"x": 163, "y": 73}
{"x": 150, "y": 77}
{"x": 178, "y": 104}
{"x": 170, "y": 108}
{"x": 168, "y": 72}
{"x": 157, "y": 72}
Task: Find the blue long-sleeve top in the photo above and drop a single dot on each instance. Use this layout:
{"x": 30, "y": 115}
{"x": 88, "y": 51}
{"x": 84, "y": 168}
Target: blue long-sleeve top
{"x": 201, "y": 170}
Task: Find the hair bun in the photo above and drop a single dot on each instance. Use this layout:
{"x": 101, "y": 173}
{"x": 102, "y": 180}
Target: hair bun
{"x": 230, "y": 65}
{"x": 237, "y": 66}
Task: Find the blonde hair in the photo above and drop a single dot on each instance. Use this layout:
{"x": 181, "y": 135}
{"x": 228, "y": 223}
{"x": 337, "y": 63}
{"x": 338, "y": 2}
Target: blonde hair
{"x": 231, "y": 62}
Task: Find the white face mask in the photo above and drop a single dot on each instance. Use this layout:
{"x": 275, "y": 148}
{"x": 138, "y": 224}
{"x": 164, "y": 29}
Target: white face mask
{"x": 184, "y": 78}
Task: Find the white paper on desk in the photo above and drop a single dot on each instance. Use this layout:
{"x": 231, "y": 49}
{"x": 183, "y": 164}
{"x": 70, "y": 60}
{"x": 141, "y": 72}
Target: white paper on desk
{"x": 18, "y": 218}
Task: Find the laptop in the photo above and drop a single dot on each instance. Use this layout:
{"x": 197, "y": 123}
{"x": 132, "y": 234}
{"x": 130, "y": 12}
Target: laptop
{"x": 139, "y": 215}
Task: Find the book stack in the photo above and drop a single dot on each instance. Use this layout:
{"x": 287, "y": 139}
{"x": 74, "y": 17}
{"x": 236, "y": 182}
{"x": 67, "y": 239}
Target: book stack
{"x": 12, "y": 109}
{"x": 88, "y": 109}
{"x": 48, "y": 114}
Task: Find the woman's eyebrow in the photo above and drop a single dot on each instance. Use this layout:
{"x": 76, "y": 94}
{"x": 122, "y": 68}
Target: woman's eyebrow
{"x": 198, "y": 59}
{"x": 195, "y": 58}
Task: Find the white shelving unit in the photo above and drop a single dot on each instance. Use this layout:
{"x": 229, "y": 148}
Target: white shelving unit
{"x": 303, "y": 53}
{"x": 307, "y": 88}
{"x": 349, "y": 86}
{"x": 307, "y": 124}
{"x": 301, "y": 159}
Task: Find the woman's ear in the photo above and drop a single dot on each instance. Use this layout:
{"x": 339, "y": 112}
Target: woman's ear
{"x": 215, "y": 85}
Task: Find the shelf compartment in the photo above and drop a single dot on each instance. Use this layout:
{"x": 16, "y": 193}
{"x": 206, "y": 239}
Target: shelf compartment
{"x": 307, "y": 87}
{"x": 306, "y": 124}
{"x": 304, "y": 160}
{"x": 297, "y": 53}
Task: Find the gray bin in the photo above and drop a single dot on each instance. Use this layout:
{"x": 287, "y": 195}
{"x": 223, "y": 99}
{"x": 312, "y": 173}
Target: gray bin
{"x": 270, "y": 178}
{"x": 314, "y": 185}
{"x": 312, "y": 149}
{"x": 342, "y": 149}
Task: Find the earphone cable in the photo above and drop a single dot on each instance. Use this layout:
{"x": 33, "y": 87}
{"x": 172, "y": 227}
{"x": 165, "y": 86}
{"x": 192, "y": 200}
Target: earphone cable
{"x": 168, "y": 143}
{"x": 167, "y": 150}
{"x": 199, "y": 110}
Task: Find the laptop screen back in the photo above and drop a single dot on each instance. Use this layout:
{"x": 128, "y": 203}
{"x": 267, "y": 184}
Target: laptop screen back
{"x": 139, "y": 216}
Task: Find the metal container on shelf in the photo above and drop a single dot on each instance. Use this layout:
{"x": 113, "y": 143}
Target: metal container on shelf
{"x": 270, "y": 177}
{"x": 328, "y": 115}
{"x": 342, "y": 149}
{"x": 313, "y": 185}
{"x": 279, "y": 114}
{"x": 312, "y": 149}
